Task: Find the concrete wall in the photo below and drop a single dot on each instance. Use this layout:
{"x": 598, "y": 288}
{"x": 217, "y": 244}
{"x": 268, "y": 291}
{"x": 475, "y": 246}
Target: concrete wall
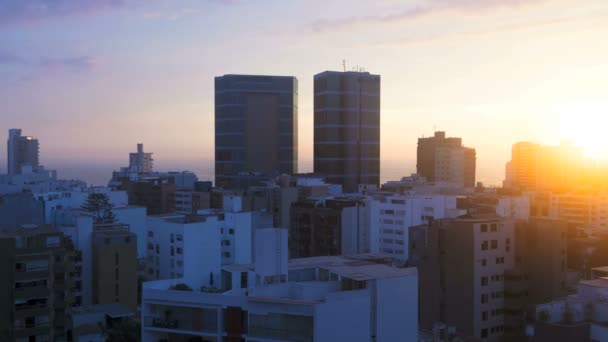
{"x": 397, "y": 308}
{"x": 344, "y": 316}
{"x": 135, "y": 217}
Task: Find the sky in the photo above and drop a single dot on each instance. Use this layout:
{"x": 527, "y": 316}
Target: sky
{"x": 91, "y": 78}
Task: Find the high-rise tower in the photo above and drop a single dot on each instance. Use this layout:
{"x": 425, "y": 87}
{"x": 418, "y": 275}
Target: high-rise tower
{"x": 347, "y": 128}
{"x": 21, "y": 151}
{"x": 256, "y": 127}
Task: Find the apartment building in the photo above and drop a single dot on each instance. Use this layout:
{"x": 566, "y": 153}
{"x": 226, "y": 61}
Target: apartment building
{"x": 328, "y": 226}
{"x": 540, "y": 271}
{"x": 578, "y": 317}
{"x": 177, "y": 244}
{"x": 22, "y": 151}
{"x": 446, "y": 160}
{"x": 461, "y": 264}
{"x": 336, "y": 298}
{"x": 39, "y": 283}
{"x": 391, "y": 215}
{"x": 114, "y": 265}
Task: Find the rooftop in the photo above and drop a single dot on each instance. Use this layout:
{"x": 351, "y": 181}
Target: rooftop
{"x": 358, "y": 267}
{"x": 600, "y": 282}
{"x": 114, "y": 310}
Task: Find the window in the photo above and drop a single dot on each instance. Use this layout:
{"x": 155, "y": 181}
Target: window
{"x": 484, "y": 246}
{"x": 116, "y": 290}
{"x": 116, "y": 274}
{"x": 227, "y": 254}
{"x": 178, "y": 237}
{"x": 231, "y": 231}
{"x": 243, "y": 280}
{"x": 494, "y": 244}
{"x": 500, "y": 260}
{"x": 484, "y": 298}
{"x": 484, "y": 333}
{"x": 53, "y": 241}
{"x": 116, "y": 259}
{"x": 179, "y": 250}
{"x": 493, "y": 227}
{"x": 484, "y": 262}
{"x": 484, "y": 316}
{"x": 150, "y": 233}
{"x": 484, "y": 228}
{"x": 226, "y": 242}
{"x": 484, "y": 281}
{"x": 172, "y": 251}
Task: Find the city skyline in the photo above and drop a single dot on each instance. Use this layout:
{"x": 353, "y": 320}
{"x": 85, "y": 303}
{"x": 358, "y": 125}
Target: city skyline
{"x": 522, "y": 71}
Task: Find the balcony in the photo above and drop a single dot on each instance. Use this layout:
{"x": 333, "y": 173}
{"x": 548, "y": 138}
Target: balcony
{"x": 156, "y": 322}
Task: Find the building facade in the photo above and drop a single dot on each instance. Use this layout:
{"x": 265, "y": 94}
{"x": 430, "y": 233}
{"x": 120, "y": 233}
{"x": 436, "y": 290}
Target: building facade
{"x": 114, "y": 265}
{"x": 21, "y": 151}
{"x": 357, "y": 298}
{"x": 392, "y": 215}
{"x": 446, "y": 160}
{"x": 256, "y": 127}
{"x": 326, "y": 227}
{"x": 461, "y": 264}
{"x": 39, "y": 282}
{"x": 141, "y": 162}
{"x": 347, "y": 128}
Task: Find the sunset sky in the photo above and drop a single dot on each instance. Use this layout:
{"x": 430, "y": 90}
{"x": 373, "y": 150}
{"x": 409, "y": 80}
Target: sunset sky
{"x": 90, "y": 78}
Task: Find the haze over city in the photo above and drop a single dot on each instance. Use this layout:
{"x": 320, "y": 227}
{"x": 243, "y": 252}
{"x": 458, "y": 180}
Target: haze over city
{"x": 92, "y": 78}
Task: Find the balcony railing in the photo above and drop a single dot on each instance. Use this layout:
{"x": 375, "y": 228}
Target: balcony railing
{"x": 156, "y": 322}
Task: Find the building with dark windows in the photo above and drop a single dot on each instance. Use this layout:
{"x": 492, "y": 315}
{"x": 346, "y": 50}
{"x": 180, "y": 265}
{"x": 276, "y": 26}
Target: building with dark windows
{"x": 40, "y": 282}
{"x": 446, "y": 160}
{"x": 461, "y": 264}
{"x": 256, "y": 125}
{"x": 331, "y": 226}
{"x": 115, "y": 265}
{"x": 347, "y": 128}
{"x": 21, "y": 151}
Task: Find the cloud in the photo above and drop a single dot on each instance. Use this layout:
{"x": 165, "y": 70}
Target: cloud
{"x": 23, "y": 11}
{"x": 45, "y": 64}
{"x": 8, "y": 58}
{"x": 80, "y": 63}
{"x": 411, "y": 13}
{"x": 34, "y": 11}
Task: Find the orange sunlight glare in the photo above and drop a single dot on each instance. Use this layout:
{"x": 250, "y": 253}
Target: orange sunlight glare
{"x": 585, "y": 123}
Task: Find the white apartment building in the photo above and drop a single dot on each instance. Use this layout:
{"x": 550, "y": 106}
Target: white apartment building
{"x": 196, "y": 246}
{"x": 391, "y": 216}
{"x": 55, "y": 201}
{"x": 336, "y": 298}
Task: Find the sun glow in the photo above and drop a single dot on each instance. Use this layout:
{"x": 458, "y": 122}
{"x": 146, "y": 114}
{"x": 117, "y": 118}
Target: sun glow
{"x": 585, "y": 123}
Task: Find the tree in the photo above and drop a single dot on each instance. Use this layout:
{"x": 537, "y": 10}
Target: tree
{"x": 101, "y": 208}
{"x": 123, "y": 331}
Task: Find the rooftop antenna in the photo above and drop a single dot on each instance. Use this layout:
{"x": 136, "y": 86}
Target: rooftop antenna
{"x": 434, "y": 128}
{"x": 344, "y": 64}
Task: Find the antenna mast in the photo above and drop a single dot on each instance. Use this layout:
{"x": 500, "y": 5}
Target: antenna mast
{"x": 344, "y": 64}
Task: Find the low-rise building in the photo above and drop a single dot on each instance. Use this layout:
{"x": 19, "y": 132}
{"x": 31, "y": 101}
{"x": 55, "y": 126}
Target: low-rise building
{"x": 356, "y": 298}
{"x": 578, "y": 317}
